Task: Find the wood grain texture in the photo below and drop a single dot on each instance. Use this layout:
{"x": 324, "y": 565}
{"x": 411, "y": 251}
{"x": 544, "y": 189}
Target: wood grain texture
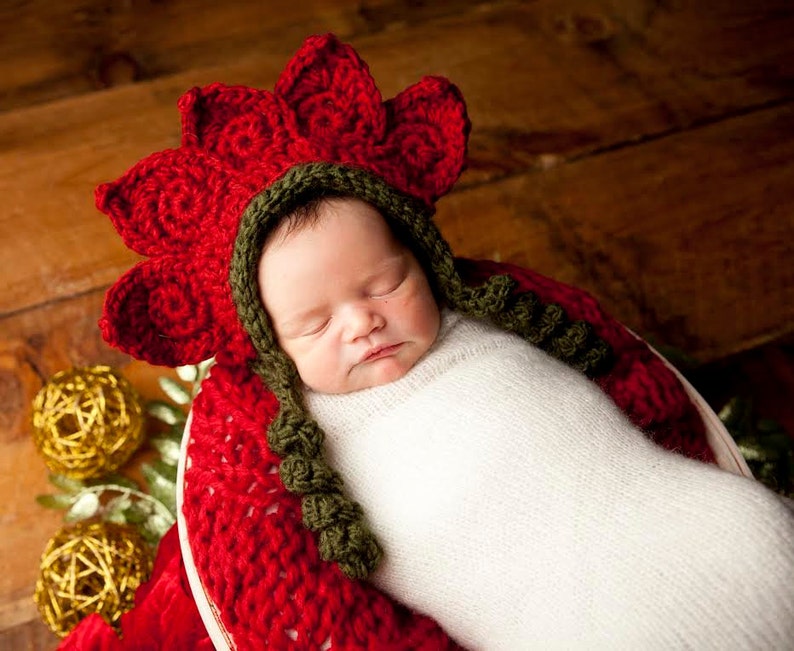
{"x": 562, "y": 100}
{"x": 53, "y": 50}
{"x": 641, "y": 150}
{"x": 688, "y": 239}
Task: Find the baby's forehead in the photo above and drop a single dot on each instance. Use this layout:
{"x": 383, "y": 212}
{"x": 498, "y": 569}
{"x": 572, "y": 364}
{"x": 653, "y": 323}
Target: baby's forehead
{"x": 333, "y": 244}
{"x": 317, "y": 212}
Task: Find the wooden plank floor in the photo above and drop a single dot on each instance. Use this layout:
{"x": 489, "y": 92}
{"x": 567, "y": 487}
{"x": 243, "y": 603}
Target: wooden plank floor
{"x": 643, "y": 151}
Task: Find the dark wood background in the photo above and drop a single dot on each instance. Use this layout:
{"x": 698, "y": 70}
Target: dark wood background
{"x": 641, "y": 150}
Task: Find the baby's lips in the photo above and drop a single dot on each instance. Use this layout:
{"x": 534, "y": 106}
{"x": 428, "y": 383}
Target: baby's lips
{"x": 376, "y": 352}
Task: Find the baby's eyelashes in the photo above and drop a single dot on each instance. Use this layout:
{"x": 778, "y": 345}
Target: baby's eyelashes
{"x": 384, "y": 289}
{"x": 298, "y": 329}
{"x": 316, "y": 328}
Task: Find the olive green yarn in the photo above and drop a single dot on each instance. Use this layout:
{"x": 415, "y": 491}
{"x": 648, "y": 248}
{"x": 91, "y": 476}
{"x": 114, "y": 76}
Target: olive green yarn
{"x": 290, "y": 434}
{"x": 547, "y": 326}
{"x": 293, "y": 435}
{"x": 321, "y": 511}
{"x": 303, "y": 475}
{"x": 594, "y": 361}
{"x": 343, "y": 536}
{"x": 352, "y": 546}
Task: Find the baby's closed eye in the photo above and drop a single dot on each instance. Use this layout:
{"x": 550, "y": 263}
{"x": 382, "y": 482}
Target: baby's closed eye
{"x": 316, "y": 327}
{"x": 388, "y": 282}
{"x": 385, "y": 288}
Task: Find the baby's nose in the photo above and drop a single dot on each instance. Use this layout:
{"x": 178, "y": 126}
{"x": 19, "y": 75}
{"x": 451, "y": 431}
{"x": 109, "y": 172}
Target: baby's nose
{"x": 362, "y": 321}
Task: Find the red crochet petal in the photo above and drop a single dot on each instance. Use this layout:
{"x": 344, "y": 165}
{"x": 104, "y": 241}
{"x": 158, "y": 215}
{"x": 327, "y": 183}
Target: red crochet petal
{"x": 165, "y": 615}
{"x": 334, "y": 99}
{"x": 170, "y": 310}
{"x": 425, "y": 150}
{"x": 166, "y": 201}
{"x": 247, "y": 129}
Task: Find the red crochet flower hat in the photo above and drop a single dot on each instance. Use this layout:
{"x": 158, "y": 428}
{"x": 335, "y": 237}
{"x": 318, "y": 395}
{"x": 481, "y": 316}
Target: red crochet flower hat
{"x": 182, "y": 207}
{"x": 248, "y": 158}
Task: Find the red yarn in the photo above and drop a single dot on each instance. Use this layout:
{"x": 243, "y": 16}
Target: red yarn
{"x": 639, "y": 381}
{"x": 165, "y": 616}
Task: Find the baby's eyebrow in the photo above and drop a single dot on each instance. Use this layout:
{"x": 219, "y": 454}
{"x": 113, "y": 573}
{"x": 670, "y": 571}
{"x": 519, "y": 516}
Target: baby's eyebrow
{"x": 386, "y": 265}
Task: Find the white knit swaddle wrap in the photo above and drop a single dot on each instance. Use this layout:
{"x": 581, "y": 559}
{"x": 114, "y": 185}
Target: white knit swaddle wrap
{"x": 520, "y": 509}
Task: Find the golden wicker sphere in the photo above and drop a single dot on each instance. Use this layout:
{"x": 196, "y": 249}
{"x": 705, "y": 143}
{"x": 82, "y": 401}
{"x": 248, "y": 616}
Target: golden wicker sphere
{"x": 90, "y": 568}
{"x": 87, "y": 422}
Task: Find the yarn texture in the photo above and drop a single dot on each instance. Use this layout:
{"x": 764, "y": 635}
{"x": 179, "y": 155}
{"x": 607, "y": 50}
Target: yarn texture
{"x": 248, "y": 158}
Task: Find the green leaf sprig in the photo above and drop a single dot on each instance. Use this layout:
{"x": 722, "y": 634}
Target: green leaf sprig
{"x": 119, "y": 499}
{"x": 764, "y": 444}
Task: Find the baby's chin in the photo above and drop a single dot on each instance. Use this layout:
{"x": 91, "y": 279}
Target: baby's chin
{"x": 366, "y": 376}
{"x": 384, "y": 371}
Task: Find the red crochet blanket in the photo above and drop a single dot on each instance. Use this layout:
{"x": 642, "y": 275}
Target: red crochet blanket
{"x": 261, "y": 567}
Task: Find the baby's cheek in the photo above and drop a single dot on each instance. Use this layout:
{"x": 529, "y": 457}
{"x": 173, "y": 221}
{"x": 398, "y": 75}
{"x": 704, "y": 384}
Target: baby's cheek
{"x": 304, "y": 361}
{"x": 333, "y": 367}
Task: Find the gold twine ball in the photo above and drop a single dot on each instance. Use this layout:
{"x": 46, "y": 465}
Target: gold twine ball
{"x": 87, "y": 422}
{"x": 90, "y": 568}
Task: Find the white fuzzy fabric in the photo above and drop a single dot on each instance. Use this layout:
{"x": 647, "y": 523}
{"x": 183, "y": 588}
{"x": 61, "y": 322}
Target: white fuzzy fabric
{"x": 520, "y": 509}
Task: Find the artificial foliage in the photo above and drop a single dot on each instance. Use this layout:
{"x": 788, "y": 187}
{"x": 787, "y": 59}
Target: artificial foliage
{"x": 247, "y": 155}
{"x": 113, "y": 524}
{"x": 764, "y": 444}
{"x": 96, "y": 562}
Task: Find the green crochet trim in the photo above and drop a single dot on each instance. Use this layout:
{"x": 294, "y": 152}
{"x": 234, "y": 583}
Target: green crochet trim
{"x": 343, "y": 536}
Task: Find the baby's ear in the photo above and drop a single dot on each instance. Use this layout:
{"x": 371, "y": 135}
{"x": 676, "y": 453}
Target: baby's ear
{"x": 427, "y": 133}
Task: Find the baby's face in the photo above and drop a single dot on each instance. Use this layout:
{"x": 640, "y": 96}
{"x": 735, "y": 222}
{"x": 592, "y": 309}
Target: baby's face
{"x": 347, "y": 301}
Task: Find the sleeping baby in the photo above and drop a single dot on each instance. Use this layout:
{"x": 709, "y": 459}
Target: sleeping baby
{"x": 514, "y": 502}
